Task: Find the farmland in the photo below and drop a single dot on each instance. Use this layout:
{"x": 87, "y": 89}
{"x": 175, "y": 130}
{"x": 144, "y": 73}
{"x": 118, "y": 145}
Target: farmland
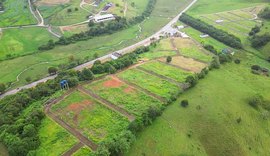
{"x": 86, "y": 49}
{"x": 88, "y": 116}
{"x": 208, "y": 126}
{"x": 123, "y": 95}
{"x": 16, "y": 13}
{"x": 151, "y": 83}
{"x": 172, "y": 72}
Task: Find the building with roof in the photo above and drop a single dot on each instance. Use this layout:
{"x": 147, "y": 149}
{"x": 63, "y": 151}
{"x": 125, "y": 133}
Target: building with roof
{"x": 115, "y": 55}
{"x": 102, "y": 18}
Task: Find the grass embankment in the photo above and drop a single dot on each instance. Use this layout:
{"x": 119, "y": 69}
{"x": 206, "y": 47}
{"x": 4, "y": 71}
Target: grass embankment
{"x": 208, "y": 125}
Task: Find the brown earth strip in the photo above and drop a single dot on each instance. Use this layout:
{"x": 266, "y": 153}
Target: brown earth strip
{"x": 75, "y": 148}
{"x": 144, "y": 90}
{"x": 175, "y": 66}
{"x": 107, "y": 103}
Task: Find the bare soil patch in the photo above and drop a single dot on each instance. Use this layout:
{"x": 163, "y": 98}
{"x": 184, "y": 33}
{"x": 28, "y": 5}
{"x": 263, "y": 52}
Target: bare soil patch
{"x": 79, "y": 106}
{"x": 129, "y": 90}
{"x": 74, "y": 28}
{"x": 186, "y": 63}
{"x": 114, "y": 82}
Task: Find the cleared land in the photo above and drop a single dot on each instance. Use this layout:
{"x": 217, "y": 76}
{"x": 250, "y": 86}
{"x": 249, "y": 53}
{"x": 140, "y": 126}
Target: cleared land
{"x": 166, "y": 70}
{"x": 151, "y": 83}
{"x": 186, "y": 63}
{"x": 189, "y": 48}
{"x": 208, "y": 125}
{"x": 55, "y": 140}
{"x": 123, "y": 95}
{"x": 89, "y": 117}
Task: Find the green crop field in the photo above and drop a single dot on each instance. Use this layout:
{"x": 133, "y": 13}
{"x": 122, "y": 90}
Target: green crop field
{"x": 16, "y": 13}
{"x": 154, "y": 84}
{"x": 96, "y": 122}
{"x": 123, "y": 95}
{"x": 54, "y": 139}
{"x": 165, "y": 44}
{"x": 22, "y": 41}
{"x": 82, "y": 152}
{"x": 174, "y": 73}
{"x": 208, "y": 125}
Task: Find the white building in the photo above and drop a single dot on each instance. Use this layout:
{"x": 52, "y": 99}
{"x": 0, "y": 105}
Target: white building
{"x": 180, "y": 27}
{"x": 102, "y": 18}
{"x": 115, "y": 55}
{"x": 204, "y": 35}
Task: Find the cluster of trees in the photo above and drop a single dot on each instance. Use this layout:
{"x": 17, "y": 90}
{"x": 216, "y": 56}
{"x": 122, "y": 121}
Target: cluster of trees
{"x": 254, "y": 30}
{"x": 265, "y": 13}
{"x": 210, "y": 48}
{"x": 2, "y": 5}
{"x": 258, "y": 70}
{"x": 258, "y": 101}
{"x": 98, "y": 29}
{"x": 258, "y": 41}
{"x": 218, "y": 34}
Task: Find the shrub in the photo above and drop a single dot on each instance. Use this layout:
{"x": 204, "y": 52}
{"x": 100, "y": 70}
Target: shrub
{"x": 169, "y": 59}
{"x": 256, "y": 67}
{"x": 192, "y": 80}
{"x": 237, "y": 61}
{"x": 52, "y": 70}
{"x": 184, "y": 103}
{"x": 255, "y": 101}
{"x": 2, "y": 88}
{"x": 239, "y": 120}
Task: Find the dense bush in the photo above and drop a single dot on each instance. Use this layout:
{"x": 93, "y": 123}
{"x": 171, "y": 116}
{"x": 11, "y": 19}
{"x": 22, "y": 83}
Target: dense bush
{"x": 258, "y": 101}
{"x": 2, "y": 88}
{"x": 258, "y": 41}
{"x": 237, "y": 61}
{"x": 210, "y": 48}
{"x": 2, "y": 5}
{"x": 254, "y": 30}
{"x": 184, "y": 103}
{"x": 192, "y": 80}
{"x": 265, "y": 13}
{"x": 218, "y": 34}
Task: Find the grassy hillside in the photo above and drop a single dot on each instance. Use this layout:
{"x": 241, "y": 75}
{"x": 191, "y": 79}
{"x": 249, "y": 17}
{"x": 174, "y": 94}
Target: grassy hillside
{"x": 208, "y": 125}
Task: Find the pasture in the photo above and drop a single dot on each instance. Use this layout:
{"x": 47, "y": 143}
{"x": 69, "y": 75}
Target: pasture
{"x": 123, "y": 95}
{"x": 22, "y": 41}
{"x": 152, "y": 83}
{"x": 54, "y": 139}
{"x": 88, "y": 116}
{"x": 208, "y": 126}
{"x": 172, "y": 72}
{"x": 16, "y": 13}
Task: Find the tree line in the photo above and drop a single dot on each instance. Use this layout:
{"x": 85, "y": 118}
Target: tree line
{"x": 217, "y": 34}
{"x": 98, "y": 29}
{"x": 2, "y": 5}
{"x": 258, "y": 41}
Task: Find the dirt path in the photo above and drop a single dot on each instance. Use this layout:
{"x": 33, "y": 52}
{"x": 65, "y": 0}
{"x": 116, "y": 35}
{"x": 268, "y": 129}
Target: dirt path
{"x": 107, "y": 103}
{"x": 62, "y": 123}
{"x": 143, "y": 90}
{"x": 160, "y": 76}
{"x": 75, "y": 148}
{"x": 126, "y": 7}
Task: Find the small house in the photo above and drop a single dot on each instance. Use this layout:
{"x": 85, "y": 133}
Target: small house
{"x": 115, "y": 55}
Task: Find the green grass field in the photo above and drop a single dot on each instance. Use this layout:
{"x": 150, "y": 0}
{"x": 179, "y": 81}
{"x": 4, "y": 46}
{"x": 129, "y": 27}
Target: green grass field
{"x": 157, "y": 54}
{"x": 125, "y": 96}
{"x": 208, "y": 125}
{"x": 87, "y": 115}
{"x": 16, "y": 13}
{"x": 174, "y": 73}
{"x": 154, "y": 84}
{"x": 54, "y": 139}
{"x": 83, "y": 152}
{"x": 22, "y": 41}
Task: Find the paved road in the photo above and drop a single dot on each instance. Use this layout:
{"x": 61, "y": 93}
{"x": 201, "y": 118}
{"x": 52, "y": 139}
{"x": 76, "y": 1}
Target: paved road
{"x": 146, "y": 41}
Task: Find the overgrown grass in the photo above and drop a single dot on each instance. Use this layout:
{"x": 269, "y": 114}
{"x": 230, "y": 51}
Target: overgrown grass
{"x": 166, "y": 70}
{"x": 83, "y": 152}
{"x": 151, "y": 83}
{"x": 94, "y": 120}
{"x": 124, "y": 96}
{"x": 157, "y": 54}
{"x": 55, "y": 140}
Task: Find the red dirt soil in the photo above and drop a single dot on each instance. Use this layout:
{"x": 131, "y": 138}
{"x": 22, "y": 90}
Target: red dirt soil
{"x": 129, "y": 90}
{"x": 113, "y": 83}
{"x": 79, "y": 106}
